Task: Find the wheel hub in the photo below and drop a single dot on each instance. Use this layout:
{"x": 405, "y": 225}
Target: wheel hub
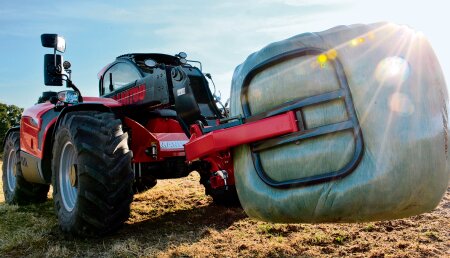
{"x": 11, "y": 170}
{"x": 68, "y": 176}
{"x": 73, "y": 175}
{"x": 14, "y": 171}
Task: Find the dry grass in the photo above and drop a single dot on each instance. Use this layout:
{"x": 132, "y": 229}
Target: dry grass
{"x": 176, "y": 219}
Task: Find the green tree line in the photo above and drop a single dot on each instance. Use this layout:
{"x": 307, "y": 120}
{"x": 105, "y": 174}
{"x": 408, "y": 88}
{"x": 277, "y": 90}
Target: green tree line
{"x": 9, "y": 117}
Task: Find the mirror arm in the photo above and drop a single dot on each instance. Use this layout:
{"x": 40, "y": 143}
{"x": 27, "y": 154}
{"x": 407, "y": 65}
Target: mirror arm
{"x": 54, "y": 55}
{"x": 71, "y": 85}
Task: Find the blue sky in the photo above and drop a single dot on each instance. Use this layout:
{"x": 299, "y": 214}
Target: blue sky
{"x": 221, "y": 34}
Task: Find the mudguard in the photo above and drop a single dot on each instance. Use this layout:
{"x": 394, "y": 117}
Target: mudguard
{"x": 371, "y": 103}
{"x": 38, "y": 130}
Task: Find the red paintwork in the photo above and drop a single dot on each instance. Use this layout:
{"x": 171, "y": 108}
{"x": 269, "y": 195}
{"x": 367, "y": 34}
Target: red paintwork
{"x": 171, "y": 137}
{"x": 218, "y": 161}
{"x": 167, "y": 136}
{"x": 200, "y": 146}
{"x": 221, "y": 161}
{"x": 164, "y": 125}
{"x": 142, "y": 139}
{"x": 31, "y": 123}
{"x": 130, "y": 96}
{"x": 38, "y": 110}
{"x": 165, "y": 130}
{"x": 214, "y": 147}
{"x": 105, "y": 101}
{"x": 29, "y": 136}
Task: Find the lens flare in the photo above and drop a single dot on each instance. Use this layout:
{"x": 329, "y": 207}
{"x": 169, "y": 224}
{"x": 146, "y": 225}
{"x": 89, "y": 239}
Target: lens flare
{"x": 357, "y": 41}
{"x": 401, "y": 104}
{"x": 322, "y": 58}
{"x": 332, "y": 54}
{"x": 393, "y": 70}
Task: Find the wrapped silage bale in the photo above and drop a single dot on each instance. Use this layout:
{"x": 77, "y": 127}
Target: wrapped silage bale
{"x": 377, "y": 128}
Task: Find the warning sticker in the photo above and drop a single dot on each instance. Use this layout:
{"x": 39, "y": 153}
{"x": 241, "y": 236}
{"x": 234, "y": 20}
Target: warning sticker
{"x": 168, "y": 145}
{"x": 181, "y": 91}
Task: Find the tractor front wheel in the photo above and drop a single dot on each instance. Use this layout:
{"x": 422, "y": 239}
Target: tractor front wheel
{"x": 92, "y": 176}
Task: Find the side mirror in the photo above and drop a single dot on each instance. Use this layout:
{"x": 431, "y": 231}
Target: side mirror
{"x": 53, "y": 70}
{"x": 53, "y": 41}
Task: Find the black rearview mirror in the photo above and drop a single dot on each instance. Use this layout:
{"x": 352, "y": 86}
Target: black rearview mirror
{"x": 53, "y": 70}
{"x": 53, "y": 41}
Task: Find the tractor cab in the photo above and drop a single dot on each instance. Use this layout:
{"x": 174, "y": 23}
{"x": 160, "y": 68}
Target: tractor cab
{"x": 159, "y": 84}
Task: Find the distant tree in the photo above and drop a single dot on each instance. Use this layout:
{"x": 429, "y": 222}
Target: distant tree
{"x": 4, "y": 123}
{"x": 9, "y": 116}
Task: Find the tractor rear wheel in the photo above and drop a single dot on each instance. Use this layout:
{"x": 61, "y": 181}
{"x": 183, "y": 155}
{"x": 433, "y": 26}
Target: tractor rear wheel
{"x": 15, "y": 188}
{"x": 92, "y": 176}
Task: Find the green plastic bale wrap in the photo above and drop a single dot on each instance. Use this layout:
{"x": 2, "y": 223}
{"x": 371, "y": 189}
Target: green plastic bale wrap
{"x": 400, "y": 100}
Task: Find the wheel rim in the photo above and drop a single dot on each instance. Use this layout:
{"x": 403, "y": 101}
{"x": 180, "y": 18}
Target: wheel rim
{"x": 67, "y": 176}
{"x": 11, "y": 170}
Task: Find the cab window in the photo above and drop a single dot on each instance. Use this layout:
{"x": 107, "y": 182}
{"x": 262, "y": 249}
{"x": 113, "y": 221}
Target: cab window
{"x": 122, "y": 74}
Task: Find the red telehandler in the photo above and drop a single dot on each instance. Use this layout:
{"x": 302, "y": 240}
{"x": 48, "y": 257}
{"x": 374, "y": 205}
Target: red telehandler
{"x": 97, "y": 151}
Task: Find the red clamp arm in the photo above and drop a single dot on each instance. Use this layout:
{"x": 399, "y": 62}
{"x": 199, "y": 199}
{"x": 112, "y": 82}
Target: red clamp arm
{"x": 224, "y": 139}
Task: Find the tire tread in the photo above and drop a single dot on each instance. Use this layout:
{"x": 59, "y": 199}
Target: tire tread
{"x": 105, "y": 177}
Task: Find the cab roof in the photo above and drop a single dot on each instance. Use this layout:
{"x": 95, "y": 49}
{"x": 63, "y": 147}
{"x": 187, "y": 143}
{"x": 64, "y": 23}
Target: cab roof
{"x": 159, "y": 58}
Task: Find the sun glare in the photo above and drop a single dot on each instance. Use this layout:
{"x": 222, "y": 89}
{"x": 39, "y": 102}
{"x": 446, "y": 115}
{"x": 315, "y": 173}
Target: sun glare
{"x": 400, "y": 103}
{"x": 392, "y": 70}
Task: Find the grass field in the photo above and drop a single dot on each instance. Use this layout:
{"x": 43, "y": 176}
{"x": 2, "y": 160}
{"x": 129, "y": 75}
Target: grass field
{"x": 176, "y": 219}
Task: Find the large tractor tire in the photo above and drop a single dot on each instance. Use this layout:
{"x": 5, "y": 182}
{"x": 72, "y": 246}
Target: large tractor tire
{"x": 92, "y": 176}
{"x": 15, "y": 188}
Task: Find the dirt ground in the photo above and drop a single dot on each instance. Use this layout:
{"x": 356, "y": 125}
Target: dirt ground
{"x": 176, "y": 219}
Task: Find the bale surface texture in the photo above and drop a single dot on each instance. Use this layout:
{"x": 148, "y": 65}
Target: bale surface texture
{"x": 400, "y": 98}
